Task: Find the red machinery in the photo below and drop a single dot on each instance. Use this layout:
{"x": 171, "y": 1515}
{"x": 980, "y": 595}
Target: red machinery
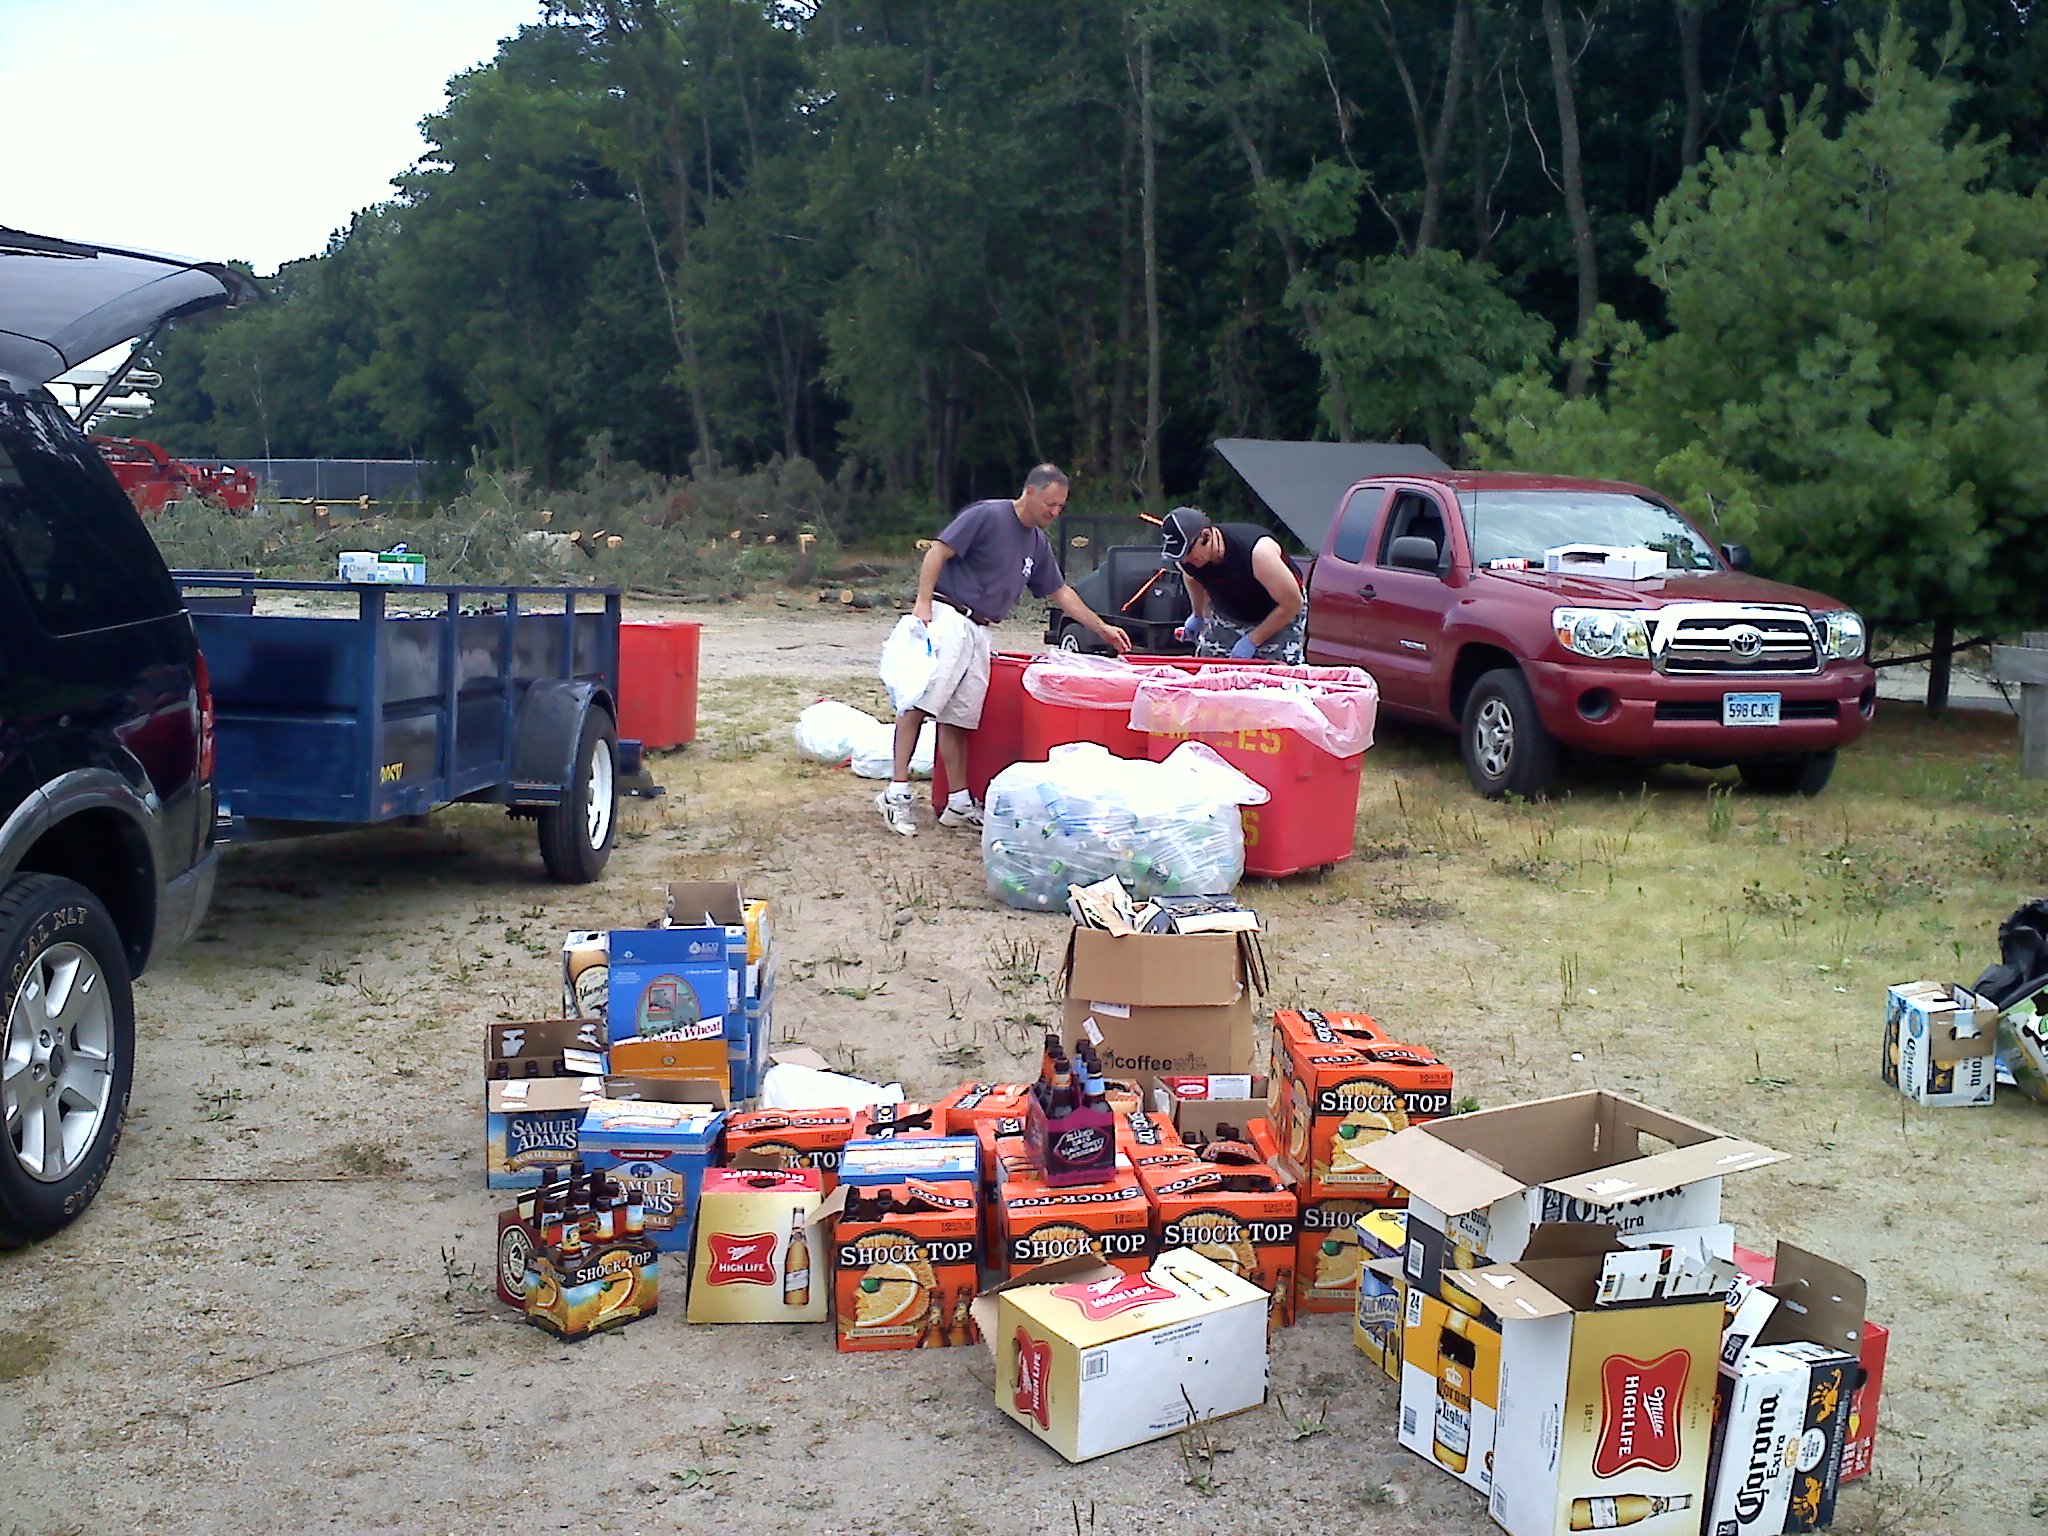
{"x": 153, "y": 479}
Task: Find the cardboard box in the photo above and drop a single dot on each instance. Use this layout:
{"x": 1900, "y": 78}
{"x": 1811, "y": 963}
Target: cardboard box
{"x": 1450, "y": 1388}
{"x": 1778, "y": 1437}
{"x": 967, "y": 1106}
{"x": 673, "y": 984}
{"x": 1091, "y": 1360}
{"x": 1605, "y": 1413}
{"x": 1338, "y": 1084}
{"x": 544, "y": 1048}
{"x": 674, "y": 1060}
{"x": 759, "y": 1254}
{"x": 932, "y": 1159}
{"x": 586, "y": 973}
{"x": 905, "y": 1271}
{"x": 1245, "y": 1219}
{"x": 1378, "y": 1317}
{"x": 1328, "y": 1256}
{"x": 657, "y": 1139}
{"x": 1479, "y": 1184}
{"x": 1940, "y": 1045}
{"x": 1201, "y": 1107}
{"x": 1109, "y": 1223}
{"x": 382, "y": 568}
{"x": 1830, "y": 1294}
{"x": 790, "y": 1138}
{"x": 1149, "y": 1140}
{"x": 1624, "y": 563}
{"x": 532, "y": 1127}
{"x": 1164, "y": 1003}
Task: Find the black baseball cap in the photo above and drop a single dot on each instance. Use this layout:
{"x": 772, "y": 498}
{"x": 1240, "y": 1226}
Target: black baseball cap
{"x": 1178, "y": 532}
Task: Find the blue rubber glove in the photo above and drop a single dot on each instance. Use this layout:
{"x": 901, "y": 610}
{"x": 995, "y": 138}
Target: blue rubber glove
{"x": 1244, "y": 650}
{"x": 1192, "y": 628}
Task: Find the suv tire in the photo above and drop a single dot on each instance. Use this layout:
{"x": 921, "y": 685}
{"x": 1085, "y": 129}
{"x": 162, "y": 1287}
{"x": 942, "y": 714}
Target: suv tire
{"x": 1806, "y": 773}
{"x": 576, "y": 836}
{"x": 1507, "y": 750}
{"x": 67, "y": 1049}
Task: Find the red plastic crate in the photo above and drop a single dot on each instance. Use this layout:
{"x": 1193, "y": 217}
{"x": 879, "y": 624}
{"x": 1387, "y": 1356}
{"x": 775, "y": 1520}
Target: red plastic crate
{"x": 658, "y": 682}
{"x": 998, "y": 741}
{"x": 1312, "y": 818}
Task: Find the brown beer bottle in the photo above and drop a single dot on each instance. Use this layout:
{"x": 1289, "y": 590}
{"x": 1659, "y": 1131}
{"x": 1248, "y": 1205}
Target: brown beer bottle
{"x": 796, "y": 1264}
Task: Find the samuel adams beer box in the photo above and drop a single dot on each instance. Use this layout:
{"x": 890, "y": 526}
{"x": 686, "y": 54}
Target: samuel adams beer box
{"x": 538, "y": 1076}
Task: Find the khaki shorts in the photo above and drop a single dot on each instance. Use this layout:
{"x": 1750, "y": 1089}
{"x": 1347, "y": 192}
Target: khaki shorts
{"x": 960, "y": 681}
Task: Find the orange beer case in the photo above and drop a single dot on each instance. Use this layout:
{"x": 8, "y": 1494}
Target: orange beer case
{"x": 759, "y": 1257}
{"x": 1337, "y": 1084}
{"x": 1329, "y": 1258}
{"x": 1039, "y": 1224}
{"x": 906, "y": 1268}
{"x": 963, "y": 1111}
{"x": 1243, "y": 1218}
{"x": 791, "y": 1138}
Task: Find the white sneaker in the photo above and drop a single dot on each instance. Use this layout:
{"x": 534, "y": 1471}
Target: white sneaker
{"x": 897, "y": 813}
{"x": 971, "y": 817}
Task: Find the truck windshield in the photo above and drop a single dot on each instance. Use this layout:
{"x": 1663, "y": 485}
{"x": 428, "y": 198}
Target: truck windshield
{"x": 1521, "y": 525}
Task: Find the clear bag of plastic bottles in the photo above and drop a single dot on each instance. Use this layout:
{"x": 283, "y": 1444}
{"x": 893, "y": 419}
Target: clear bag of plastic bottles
{"x": 1163, "y": 829}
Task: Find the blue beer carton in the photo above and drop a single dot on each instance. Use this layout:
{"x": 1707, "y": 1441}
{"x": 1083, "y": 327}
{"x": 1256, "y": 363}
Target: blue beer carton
{"x": 657, "y": 1138}
{"x": 672, "y": 983}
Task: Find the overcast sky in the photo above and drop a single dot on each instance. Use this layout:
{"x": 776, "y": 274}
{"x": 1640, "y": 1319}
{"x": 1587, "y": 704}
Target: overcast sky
{"x": 224, "y": 129}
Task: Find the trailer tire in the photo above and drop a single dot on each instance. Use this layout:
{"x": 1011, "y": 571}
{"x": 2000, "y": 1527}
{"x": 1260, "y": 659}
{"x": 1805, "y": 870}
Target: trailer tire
{"x": 74, "y": 1052}
{"x": 576, "y": 836}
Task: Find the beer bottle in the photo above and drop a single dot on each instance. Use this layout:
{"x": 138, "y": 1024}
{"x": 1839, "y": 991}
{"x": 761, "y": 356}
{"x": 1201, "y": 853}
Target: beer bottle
{"x": 607, "y": 1217}
{"x": 962, "y": 1330}
{"x": 1455, "y": 1357}
{"x": 1061, "y": 1102}
{"x": 1617, "y": 1510}
{"x": 796, "y": 1264}
{"x": 636, "y": 1212}
{"x": 934, "y": 1335}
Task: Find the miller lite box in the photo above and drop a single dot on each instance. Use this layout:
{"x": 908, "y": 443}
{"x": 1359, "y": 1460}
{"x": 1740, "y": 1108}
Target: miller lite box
{"x": 1605, "y": 1416}
{"x": 1091, "y": 1360}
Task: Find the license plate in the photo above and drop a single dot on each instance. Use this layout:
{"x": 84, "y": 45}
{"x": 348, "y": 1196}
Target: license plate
{"x": 1749, "y": 708}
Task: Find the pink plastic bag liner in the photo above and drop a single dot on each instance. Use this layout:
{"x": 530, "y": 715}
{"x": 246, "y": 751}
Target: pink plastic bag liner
{"x": 1329, "y": 707}
{"x": 1083, "y": 682}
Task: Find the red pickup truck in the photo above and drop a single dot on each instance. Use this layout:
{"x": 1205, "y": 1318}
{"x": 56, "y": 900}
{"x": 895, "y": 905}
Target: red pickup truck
{"x": 1433, "y": 580}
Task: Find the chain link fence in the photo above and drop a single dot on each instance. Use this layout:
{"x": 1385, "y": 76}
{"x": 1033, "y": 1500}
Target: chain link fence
{"x": 380, "y": 480}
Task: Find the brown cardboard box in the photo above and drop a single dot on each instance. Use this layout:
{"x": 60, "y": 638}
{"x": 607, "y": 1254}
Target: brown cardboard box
{"x": 1164, "y": 1003}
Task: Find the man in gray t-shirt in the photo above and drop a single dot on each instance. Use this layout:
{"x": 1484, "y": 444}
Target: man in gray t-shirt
{"x": 972, "y": 576}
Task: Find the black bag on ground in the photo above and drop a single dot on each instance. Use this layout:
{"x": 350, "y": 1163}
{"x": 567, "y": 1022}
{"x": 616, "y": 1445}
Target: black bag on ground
{"x": 2022, "y": 956}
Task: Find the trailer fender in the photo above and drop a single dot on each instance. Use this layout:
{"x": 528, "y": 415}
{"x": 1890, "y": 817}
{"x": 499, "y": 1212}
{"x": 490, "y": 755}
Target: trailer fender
{"x": 544, "y": 742}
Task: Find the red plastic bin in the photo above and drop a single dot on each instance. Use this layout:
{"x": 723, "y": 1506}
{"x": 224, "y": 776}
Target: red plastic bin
{"x": 998, "y": 741}
{"x": 658, "y": 682}
{"x": 1312, "y": 818}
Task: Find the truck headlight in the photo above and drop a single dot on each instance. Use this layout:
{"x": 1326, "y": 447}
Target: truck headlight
{"x": 1600, "y": 632}
{"x": 1842, "y": 635}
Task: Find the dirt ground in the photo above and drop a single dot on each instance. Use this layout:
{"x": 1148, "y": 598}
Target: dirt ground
{"x": 277, "y": 1317}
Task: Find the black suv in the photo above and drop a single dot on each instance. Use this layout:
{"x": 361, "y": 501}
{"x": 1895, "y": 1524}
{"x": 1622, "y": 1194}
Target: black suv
{"x": 106, "y": 729}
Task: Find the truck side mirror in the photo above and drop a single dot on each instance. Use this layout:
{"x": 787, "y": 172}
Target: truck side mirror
{"x": 1737, "y": 556}
{"x": 1412, "y": 552}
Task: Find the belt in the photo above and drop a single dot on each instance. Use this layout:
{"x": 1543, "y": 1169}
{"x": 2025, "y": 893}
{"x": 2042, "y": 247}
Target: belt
{"x": 962, "y": 608}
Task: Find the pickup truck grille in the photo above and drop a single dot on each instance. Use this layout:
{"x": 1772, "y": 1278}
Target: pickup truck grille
{"x": 1731, "y": 640}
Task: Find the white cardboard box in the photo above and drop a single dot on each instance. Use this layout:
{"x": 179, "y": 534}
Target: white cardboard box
{"x": 1940, "y": 1044}
{"x": 1092, "y": 1360}
{"x": 380, "y": 569}
{"x": 1631, "y": 563}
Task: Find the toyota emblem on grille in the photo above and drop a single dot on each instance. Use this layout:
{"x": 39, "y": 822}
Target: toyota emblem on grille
{"x": 1746, "y": 642}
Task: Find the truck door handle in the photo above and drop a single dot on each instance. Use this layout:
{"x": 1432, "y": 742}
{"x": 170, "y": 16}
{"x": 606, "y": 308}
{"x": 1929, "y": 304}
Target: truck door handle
{"x": 1366, "y": 592}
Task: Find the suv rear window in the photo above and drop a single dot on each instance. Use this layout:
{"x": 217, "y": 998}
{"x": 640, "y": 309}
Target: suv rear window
{"x": 68, "y": 537}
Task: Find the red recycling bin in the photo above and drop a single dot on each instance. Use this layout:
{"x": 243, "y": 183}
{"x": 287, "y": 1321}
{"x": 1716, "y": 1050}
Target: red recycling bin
{"x": 1093, "y": 705}
{"x": 998, "y": 741}
{"x": 658, "y": 682}
{"x": 1311, "y": 819}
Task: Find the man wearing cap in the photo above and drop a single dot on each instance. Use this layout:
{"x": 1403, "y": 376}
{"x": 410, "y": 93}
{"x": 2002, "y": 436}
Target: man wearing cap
{"x": 972, "y": 577}
{"x": 1247, "y": 601}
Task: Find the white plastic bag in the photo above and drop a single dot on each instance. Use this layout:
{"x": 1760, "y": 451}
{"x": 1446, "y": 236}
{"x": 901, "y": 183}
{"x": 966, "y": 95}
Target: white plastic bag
{"x": 1163, "y": 829}
{"x": 831, "y": 732}
{"x": 1330, "y": 707}
{"x": 908, "y": 662}
{"x": 787, "y": 1085}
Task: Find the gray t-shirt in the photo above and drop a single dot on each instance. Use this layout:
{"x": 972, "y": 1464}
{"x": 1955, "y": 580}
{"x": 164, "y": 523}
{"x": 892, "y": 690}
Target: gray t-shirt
{"x": 995, "y": 557}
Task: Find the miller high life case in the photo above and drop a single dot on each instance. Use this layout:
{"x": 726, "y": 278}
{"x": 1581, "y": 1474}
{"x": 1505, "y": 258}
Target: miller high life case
{"x": 1606, "y": 1413}
{"x": 1109, "y": 1222}
{"x": 1337, "y": 1085}
{"x": 1091, "y": 1360}
{"x": 758, "y": 1257}
{"x": 906, "y": 1268}
{"x": 1243, "y": 1218}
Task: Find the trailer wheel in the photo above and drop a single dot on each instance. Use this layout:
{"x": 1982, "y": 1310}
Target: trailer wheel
{"x": 68, "y": 1017}
{"x": 576, "y": 836}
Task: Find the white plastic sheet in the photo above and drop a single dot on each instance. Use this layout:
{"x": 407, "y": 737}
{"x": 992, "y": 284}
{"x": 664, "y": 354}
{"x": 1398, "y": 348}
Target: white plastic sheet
{"x": 1331, "y": 707}
{"x": 788, "y": 1085}
{"x": 1080, "y": 681}
{"x": 1163, "y": 829}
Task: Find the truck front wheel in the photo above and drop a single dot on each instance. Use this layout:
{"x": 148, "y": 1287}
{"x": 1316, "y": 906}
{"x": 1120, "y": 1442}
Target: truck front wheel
{"x": 1804, "y": 773}
{"x": 1507, "y": 750}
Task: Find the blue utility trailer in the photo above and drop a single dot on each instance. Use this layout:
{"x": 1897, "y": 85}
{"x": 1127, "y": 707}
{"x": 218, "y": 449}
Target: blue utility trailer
{"x": 422, "y": 696}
